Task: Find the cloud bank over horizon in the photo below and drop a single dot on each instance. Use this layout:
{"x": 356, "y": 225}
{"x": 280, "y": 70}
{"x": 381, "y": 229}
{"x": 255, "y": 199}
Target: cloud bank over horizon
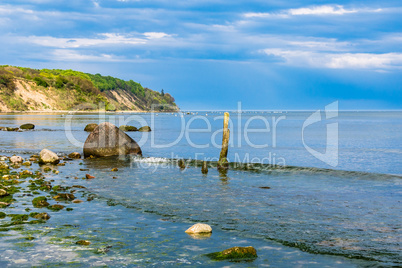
{"x": 212, "y": 54}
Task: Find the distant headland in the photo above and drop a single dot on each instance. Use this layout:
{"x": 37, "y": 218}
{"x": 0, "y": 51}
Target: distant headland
{"x": 52, "y": 90}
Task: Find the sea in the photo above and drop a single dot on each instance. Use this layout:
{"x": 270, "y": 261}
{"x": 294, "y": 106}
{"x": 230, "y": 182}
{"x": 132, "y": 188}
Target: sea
{"x": 304, "y": 188}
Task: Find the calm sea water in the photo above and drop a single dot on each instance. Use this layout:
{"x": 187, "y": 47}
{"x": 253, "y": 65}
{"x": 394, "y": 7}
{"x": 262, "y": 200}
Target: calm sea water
{"x": 315, "y": 214}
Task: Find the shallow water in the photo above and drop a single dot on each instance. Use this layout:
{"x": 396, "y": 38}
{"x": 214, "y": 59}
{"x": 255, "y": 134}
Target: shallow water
{"x": 349, "y": 218}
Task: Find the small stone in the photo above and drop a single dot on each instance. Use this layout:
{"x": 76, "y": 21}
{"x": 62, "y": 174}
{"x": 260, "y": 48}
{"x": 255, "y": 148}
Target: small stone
{"x": 42, "y": 216}
{"x": 83, "y": 243}
{"x": 88, "y": 177}
{"x": 264, "y": 187}
{"x": 199, "y": 228}
{"x": 74, "y": 155}
{"x": 48, "y": 157}
{"x": 79, "y": 186}
{"x": 27, "y": 126}
{"x": 3, "y": 158}
{"x": 115, "y": 169}
{"x": 77, "y": 201}
{"x": 27, "y": 163}
{"x": 3, "y": 165}
{"x": 16, "y": 159}
{"x": 128, "y": 128}
{"x": 12, "y": 129}
{"x": 3, "y": 193}
{"x": 61, "y": 164}
{"x": 26, "y": 172}
{"x": 4, "y": 204}
{"x": 90, "y": 127}
{"x": 144, "y": 129}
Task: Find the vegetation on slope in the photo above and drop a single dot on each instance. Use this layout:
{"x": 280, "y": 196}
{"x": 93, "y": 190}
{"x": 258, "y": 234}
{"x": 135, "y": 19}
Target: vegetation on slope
{"x": 68, "y": 89}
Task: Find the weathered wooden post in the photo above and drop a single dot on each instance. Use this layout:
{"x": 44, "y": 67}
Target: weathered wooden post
{"x": 223, "y": 163}
{"x": 204, "y": 168}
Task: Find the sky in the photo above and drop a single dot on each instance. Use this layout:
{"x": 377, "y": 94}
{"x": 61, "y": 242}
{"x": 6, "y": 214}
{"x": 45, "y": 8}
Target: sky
{"x": 266, "y": 54}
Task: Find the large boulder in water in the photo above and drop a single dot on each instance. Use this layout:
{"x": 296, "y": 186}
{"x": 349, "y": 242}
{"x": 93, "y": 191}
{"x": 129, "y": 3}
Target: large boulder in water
{"x": 108, "y": 140}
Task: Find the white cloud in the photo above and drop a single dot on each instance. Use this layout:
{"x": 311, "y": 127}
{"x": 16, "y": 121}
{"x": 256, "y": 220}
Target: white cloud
{"x": 312, "y": 10}
{"x": 322, "y": 10}
{"x": 338, "y": 60}
{"x": 104, "y": 39}
{"x": 7, "y": 10}
{"x": 155, "y": 35}
{"x": 72, "y": 55}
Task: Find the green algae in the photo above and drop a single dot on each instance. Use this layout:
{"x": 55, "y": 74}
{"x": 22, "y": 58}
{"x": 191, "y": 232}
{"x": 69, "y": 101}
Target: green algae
{"x": 40, "y": 202}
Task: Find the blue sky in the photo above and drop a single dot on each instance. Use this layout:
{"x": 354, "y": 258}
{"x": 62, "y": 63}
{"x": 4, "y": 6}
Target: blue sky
{"x": 211, "y": 54}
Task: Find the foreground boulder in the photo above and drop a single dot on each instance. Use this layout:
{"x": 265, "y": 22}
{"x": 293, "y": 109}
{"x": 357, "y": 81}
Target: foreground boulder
{"x": 199, "y": 228}
{"x": 128, "y": 128}
{"x": 108, "y": 140}
{"x": 90, "y": 127}
{"x": 27, "y": 126}
{"x": 48, "y": 157}
{"x": 235, "y": 254}
{"x": 145, "y": 129}
{"x": 16, "y": 159}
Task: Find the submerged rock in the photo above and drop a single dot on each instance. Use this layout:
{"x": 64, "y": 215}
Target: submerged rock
{"x": 199, "y": 228}
{"x": 108, "y": 140}
{"x": 48, "y": 157}
{"x": 27, "y": 126}
{"x": 90, "y": 127}
{"x": 55, "y": 207}
{"x": 40, "y": 202}
{"x": 11, "y": 129}
{"x": 235, "y": 254}
{"x": 83, "y": 243}
{"x": 145, "y": 129}
{"x": 74, "y": 155}
{"x": 42, "y": 216}
{"x": 128, "y": 128}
